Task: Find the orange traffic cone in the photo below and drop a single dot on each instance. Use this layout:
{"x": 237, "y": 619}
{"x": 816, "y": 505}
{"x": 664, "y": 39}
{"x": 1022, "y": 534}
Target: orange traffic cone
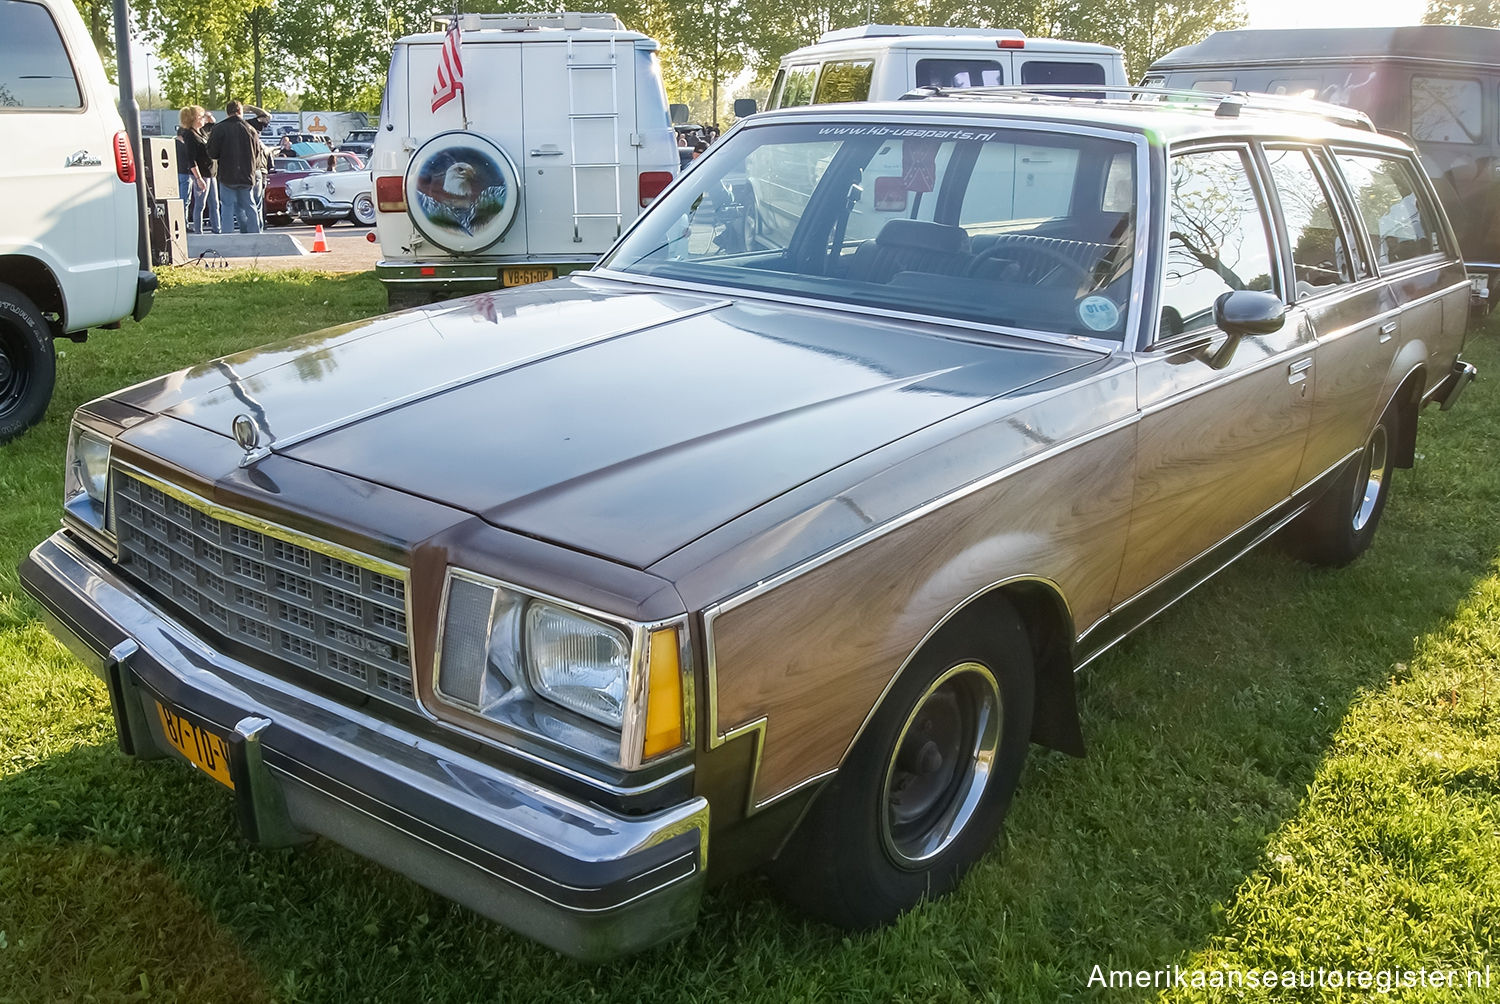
{"x": 319, "y": 243}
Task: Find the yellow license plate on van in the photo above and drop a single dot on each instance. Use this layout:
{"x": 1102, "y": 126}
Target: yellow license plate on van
{"x": 208, "y": 751}
{"x": 521, "y": 276}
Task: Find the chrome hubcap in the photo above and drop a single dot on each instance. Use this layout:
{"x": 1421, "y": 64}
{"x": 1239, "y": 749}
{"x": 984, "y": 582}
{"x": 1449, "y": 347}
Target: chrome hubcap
{"x": 1371, "y": 476}
{"x": 943, "y": 759}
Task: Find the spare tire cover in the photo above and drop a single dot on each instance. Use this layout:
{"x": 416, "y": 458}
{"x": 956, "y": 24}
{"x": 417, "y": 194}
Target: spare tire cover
{"x": 462, "y": 191}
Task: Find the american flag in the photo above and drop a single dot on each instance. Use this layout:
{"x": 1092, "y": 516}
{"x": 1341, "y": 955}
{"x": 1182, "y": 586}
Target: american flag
{"x": 450, "y": 69}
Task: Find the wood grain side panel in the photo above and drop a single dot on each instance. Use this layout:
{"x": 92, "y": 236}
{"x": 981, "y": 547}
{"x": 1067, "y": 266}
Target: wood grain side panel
{"x": 813, "y": 655}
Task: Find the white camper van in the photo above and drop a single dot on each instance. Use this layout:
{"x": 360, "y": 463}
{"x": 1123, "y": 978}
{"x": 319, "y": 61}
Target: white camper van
{"x": 559, "y": 139}
{"x": 881, "y": 62}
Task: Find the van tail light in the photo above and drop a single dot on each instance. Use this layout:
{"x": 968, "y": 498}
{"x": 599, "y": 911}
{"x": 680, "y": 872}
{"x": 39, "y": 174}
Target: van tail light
{"x": 1010, "y": 43}
{"x": 390, "y": 194}
{"x": 652, "y": 184}
{"x": 124, "y": 158}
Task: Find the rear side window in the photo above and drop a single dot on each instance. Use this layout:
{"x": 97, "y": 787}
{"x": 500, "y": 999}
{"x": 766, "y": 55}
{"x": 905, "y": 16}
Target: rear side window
{"x": 1446, "y": 110}
{"x": 1045, "y": 71}
{"x": 959, "y": 73}
{"x": 1392, "y": 207}
{"x": 1217, "y": 239}
{"x": 34, "y": 68}
{"x": 799, "y": 86}
{"x": 1320, "y": 256}
{"x": 846, "y": 80}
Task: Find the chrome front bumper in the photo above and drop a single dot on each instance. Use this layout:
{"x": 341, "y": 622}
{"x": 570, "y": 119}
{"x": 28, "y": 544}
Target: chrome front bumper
{"x": 569, "y": 874}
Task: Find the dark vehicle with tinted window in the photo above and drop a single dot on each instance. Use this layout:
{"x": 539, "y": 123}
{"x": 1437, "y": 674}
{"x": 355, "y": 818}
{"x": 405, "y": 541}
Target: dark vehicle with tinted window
{"x": 1439, "y": 84}
{"x": 777, "y": 539}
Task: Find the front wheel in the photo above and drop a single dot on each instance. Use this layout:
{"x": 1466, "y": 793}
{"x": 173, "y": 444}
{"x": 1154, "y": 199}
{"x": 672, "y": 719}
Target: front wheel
{"x": 1339, "y": 527}
{"x": 364, "y": 210}
{"x": 28, "y": 363}
{"x": 926, "y": 788}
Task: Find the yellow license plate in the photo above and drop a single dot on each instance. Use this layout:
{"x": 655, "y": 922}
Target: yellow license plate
{"x": 208, "y": 752}
{"x": 521, "y": 276}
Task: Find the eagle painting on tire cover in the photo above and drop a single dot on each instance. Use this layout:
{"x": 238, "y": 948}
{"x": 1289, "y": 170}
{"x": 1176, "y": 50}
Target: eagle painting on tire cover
{"x": 461, "y": 190}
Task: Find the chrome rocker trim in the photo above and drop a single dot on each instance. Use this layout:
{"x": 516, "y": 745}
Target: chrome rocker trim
{"x": 566, "y": 873}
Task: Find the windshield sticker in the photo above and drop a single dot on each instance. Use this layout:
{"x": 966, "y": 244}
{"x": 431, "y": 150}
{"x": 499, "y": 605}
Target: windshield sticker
{"x": 909, "y": 132}
{"x": 1099, "y": 313}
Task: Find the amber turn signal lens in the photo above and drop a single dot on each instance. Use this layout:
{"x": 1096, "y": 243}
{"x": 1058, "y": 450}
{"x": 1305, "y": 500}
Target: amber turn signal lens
{"x": 664, "y": 695}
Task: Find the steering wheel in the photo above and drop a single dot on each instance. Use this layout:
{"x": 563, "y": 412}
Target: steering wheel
{"x": 1031, "y": 259}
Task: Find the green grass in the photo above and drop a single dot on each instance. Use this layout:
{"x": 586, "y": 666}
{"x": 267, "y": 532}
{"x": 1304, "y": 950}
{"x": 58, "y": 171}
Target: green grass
{"x": 1294, "y": 768}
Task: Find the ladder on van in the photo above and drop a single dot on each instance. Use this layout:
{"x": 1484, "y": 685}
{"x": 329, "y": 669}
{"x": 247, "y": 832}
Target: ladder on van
{"x": 584, "y": 107}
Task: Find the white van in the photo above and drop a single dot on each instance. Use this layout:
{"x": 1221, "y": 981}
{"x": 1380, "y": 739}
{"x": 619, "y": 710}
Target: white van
{"x": 70, "y": 230}
{"x": 881, "y": 62}
{"x": 561, "y": 138}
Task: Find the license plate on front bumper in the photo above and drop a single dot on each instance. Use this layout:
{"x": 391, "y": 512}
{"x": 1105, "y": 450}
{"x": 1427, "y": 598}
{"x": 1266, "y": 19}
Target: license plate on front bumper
{"x": 208, "y": 751}
{"x": 522, "y": 276}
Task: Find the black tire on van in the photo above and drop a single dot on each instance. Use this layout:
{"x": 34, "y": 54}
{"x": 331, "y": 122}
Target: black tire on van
{"x": 28, "y": 363}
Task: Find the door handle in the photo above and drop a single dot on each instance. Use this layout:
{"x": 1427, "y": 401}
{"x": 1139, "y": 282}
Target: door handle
{"x": 547, "y": 153}
{"x": 1387, "y": 331}
{"x": 1297, "y": 372}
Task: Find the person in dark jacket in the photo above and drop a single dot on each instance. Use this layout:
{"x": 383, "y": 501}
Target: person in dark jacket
{"x": 235, "y": 145}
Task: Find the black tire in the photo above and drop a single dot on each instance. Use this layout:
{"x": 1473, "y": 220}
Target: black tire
{"x": 913, "y": 806}
{"x": 28, "y": 363}
{"x": 1339, "y": 527}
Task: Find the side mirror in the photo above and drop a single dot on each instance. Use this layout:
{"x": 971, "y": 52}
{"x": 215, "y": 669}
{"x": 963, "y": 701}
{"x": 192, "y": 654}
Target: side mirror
{"x": 1249, "y": 312}
{"x": 1244, "y": 312}
{"x": 744, "y": 107}
{"x": 679, "y": 114}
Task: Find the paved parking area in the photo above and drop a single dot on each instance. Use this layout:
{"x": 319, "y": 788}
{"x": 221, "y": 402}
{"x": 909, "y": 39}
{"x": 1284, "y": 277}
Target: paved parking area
{"x": 349, "y": 250}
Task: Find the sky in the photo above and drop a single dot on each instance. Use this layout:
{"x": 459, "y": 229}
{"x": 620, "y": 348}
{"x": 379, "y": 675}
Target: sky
{"x": 1332, "y": 13}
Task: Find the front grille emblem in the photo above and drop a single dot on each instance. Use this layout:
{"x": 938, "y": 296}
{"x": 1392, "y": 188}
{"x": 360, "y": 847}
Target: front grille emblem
{"x": 247, "y": 434}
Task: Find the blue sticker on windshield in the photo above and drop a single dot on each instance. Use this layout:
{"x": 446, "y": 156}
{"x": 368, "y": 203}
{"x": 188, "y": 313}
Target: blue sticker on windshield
{"x": 1099, "y": 313}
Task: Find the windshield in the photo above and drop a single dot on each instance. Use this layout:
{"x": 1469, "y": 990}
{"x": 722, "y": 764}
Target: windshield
{"x": 1003, "y": 226}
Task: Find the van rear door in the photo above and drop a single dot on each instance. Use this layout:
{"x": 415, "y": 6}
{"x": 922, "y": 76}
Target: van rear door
{"x": 490, "y": 68}
{"x": 579, "y": 166}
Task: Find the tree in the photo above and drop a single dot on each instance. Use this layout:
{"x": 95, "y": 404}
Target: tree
{"x": 1485, "y": 13}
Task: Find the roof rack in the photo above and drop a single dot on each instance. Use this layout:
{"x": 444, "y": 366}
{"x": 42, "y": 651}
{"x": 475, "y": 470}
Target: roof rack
{"x": 567, "y": 21}
{"x": 899, "y": 30}
{"x": 1223, "y": 105}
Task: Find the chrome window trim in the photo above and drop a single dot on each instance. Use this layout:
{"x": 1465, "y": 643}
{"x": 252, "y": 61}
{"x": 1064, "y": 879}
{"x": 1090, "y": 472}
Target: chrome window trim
{"x": 1261, "y": 189}
{"x": 632, "y": 729}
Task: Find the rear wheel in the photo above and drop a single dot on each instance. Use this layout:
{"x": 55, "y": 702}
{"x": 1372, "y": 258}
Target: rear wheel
{"x": 1339, "y": 527}
{"x": 28, "y": 363}
{"x": 927, "y": 786}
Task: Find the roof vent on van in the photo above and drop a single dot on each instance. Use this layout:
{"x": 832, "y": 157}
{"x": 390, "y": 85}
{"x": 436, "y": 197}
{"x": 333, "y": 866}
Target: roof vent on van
{"x": 895, "y": 30}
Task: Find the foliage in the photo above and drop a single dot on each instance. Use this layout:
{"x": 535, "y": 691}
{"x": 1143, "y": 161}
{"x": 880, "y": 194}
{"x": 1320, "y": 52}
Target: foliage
{"x": 1485, "y": 13}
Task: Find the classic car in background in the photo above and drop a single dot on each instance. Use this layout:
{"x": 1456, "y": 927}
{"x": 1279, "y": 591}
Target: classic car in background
{"x": 778, "y": 538}
{"x": 341, "y": 194}
{"x": 359, "y": 141}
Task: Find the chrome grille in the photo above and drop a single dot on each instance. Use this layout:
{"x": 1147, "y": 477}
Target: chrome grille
{"x": 273, "y": 591}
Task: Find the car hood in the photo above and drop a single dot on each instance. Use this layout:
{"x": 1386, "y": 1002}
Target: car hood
{"x": 608, "y": 418}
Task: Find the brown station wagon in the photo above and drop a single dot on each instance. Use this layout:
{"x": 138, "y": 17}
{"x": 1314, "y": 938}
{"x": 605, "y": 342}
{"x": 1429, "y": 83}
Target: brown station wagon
{"x": 777, "y": 539}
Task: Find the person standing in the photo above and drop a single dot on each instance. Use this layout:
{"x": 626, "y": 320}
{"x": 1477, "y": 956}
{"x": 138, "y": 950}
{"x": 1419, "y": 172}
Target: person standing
{"x": 235, "y": 144}
{"x": 193, "y": 164}
{"x": 210, "y": 197}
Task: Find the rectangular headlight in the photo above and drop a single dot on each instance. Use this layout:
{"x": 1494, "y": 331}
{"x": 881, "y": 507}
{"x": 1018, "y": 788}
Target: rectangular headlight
{"x": 578, "y": 662}
{"x": 86, "y": 478}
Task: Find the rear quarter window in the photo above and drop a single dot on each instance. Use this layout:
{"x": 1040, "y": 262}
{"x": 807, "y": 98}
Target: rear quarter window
{"x": 1054, "y": 71}
{"x": 1393, "y": 208}
{"x": 35, "y": 71}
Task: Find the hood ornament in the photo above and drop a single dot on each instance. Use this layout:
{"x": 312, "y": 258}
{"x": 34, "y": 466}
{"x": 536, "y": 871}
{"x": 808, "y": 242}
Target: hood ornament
{"x": 247, "y": 434}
